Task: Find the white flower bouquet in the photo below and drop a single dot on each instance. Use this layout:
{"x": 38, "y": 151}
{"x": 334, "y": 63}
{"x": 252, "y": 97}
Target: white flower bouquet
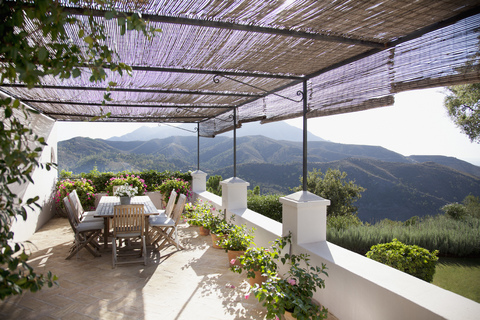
{"x": 126, "y": 191}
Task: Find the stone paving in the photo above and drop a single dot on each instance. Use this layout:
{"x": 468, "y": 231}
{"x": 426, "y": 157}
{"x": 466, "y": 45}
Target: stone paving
{"x": 194, "y": 283}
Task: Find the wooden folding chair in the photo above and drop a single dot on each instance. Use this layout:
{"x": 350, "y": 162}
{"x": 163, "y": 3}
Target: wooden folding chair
{"x": 86, "y": 233}
{"x": 128, "y": 223}
{"x": 82, "y": 215}
{"x": 171, "y": 203}
{"x": 164, "y": 229}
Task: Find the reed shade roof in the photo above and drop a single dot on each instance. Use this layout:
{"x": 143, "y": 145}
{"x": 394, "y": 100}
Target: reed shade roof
{"x": 212, "y": 56}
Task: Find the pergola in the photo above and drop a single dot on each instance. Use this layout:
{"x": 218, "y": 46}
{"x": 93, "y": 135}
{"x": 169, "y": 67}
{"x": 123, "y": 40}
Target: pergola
{"x": 217, "y": 63}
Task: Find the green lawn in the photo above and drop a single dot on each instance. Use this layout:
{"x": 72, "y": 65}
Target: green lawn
{"x": 459, "y": 275}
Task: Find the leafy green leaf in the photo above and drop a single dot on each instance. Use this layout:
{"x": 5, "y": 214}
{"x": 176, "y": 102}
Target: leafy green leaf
{"x": 42, "y": 54}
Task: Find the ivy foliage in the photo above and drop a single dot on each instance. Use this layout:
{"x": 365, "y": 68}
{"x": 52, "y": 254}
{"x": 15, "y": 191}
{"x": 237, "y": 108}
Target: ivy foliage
{"x": 27, "y": 61}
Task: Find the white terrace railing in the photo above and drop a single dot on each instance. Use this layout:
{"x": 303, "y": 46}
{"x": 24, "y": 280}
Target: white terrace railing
{"x": 357, "y": 287}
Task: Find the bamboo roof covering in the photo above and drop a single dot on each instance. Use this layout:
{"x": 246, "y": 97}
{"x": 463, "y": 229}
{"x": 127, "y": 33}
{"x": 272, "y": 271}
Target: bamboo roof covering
{"x": 255, "y": 56}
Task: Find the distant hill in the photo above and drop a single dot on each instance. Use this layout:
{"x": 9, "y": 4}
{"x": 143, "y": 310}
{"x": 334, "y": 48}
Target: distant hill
{"x": 275, "y": 130}
{"x": 451, "y": 162}
{"x": 394, "y": 190}
{"x": 398, "y": 187}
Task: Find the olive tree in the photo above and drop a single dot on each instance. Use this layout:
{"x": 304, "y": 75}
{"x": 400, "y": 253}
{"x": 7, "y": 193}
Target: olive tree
{"x": 26, "y": 59}
{"x": 333, "y": 186}
{"x": 463, "y": 105}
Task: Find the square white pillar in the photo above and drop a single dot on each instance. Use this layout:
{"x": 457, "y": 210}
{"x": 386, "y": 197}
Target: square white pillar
{"x": 234, "y": 193}
{"x": 305, "y": 215}
{"x": 199, "y": 181}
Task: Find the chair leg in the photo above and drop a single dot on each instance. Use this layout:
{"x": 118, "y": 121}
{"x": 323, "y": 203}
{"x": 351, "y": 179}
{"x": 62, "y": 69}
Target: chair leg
{"x": 144, "y": 250}
{"x": 114, "y": 253}
{"x": 86, "y": 241}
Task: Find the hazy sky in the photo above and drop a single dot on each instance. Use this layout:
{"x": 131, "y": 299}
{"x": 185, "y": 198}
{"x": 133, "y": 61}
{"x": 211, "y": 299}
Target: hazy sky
{"x": 417, "y": 124}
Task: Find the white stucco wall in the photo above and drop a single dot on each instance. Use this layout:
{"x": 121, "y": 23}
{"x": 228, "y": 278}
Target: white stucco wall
{"x": 357, "y": 288}
{"x": 44, "y": 182}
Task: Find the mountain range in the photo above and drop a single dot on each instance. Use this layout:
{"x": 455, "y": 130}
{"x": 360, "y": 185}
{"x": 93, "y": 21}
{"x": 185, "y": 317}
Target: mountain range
{"x": 275, "y": 130}
{"x": 397, "y": 187}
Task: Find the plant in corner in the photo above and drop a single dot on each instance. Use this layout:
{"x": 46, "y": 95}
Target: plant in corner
{"x": 293, "y": 292}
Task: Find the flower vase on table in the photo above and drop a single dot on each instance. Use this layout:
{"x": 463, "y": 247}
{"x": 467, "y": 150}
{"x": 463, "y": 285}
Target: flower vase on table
{"x": 125, "y": 200}
{"x": 126, "y": 192}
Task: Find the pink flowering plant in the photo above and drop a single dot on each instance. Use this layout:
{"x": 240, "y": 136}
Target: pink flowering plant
{"x": 85, "y": 191}
{"x": 129, "y": 179}
{"x": 199, "y": 213}
{"x": 237, "y": 238}
{"x": 258, "y": 259}
{"x": 179, "y": 185}
{"x": 293, "y": 291}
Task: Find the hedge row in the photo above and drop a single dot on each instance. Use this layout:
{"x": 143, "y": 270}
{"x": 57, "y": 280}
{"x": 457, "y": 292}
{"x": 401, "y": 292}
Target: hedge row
{"x": 152, "y": 178}
{"x": 449, "y": 236}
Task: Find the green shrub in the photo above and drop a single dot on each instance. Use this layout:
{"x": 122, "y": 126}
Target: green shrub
{"x": 450, "y": 237}
{"x": 455, "y": 210}
{"x": 213, "y": 185}
{"x": 152, "y": 178}
{"x": 416, "y": 261}
{"x": 472, "y": 204}
{"x": 268, "y": 205}
{"x": 343, "y": 222}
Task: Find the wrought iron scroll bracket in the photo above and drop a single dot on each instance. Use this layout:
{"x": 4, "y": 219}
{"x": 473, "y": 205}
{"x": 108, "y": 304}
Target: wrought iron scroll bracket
{"x": 299, "y": 93}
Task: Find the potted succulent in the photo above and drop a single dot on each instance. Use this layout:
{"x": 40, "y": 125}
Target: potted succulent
{"x": 291, "y": 295}
{"x": 236, "y": 242}
{"x": 126, "y": 192}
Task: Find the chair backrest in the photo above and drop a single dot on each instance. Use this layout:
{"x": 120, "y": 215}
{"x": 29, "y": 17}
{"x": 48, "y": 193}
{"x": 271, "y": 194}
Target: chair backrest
{"x": 70, "y": 214}
{"x": 171, "y": 204}
{"x": 128, "y": 219}
{"x": 115, "y": 188}
{"x": 177, "y": 212}
{"x": 76, "y": 204}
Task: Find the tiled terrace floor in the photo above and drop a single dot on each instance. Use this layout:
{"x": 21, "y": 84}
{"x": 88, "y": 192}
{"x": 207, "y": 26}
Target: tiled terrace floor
{"x": 194, "y": 283}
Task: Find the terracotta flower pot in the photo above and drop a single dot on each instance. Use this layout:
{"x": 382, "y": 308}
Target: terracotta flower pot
{"x": 288, "y": 315}
{"x": 233, "y": 255}
{"x": 258, "y": 279}
{"x": 215, "y": 239}
{"x": 204, "y": 231}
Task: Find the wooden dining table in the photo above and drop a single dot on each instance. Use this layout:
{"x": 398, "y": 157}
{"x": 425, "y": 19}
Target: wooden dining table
{"x": 105, "y": 210}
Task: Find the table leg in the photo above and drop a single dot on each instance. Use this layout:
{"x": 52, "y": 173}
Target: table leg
{"x": 147, "y": 236}
{"x": 106, "y": 222}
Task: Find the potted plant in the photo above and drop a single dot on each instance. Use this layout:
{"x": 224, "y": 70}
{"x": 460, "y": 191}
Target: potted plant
{"x": 201, "y": 215}
{"x": 126, "y": 192}
{"x": 236, "y": 242}
{"x": 258, "y": 262}
{"x": 291, "y": 295}
{"x": 219, "y": 229}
